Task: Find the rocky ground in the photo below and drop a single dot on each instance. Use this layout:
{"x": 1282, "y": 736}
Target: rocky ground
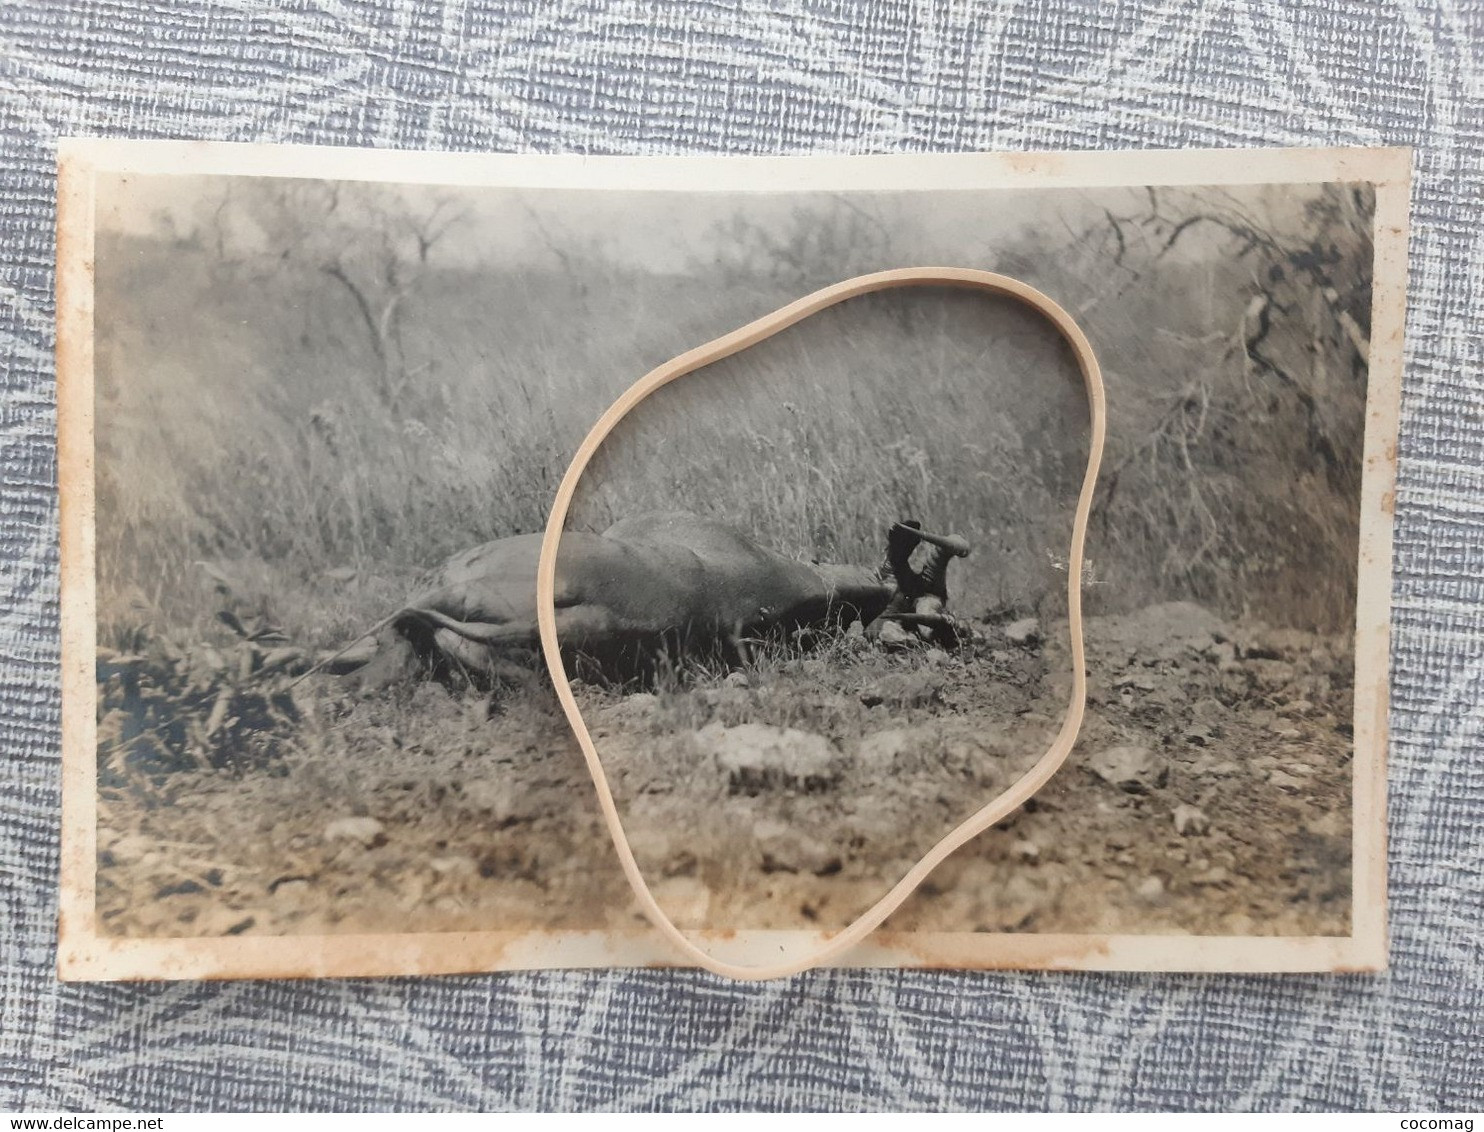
{"x": 1209, "y": 793}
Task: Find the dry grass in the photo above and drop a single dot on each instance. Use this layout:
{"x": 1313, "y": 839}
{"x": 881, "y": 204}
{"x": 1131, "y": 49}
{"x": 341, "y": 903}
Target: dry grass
{"x": 260, "y": 449}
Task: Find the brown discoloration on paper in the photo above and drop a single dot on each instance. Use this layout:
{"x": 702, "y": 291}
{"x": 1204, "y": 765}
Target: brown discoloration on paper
{"x": 1035, "y": 164}
{"x": 85, "y": 954}
{"x": 76, "y": 919}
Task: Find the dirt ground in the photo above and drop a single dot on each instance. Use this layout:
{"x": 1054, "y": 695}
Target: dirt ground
{"x": 1210, "y": 793}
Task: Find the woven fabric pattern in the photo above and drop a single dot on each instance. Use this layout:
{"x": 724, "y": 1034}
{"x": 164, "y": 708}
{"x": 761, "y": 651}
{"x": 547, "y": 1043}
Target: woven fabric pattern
{"x": 715, "y": 76}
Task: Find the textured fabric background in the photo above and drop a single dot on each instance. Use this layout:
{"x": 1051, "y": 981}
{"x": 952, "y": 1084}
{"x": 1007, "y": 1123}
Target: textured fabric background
{"x": 809, "y": 75}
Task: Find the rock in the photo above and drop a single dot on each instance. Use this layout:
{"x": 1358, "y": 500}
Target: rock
{"x": 1201, "y": 735}
{"x": 630, "y": 712}
{"x": 1286, "y": 781}
{"x": 1026, "y": 852}
{"x": 790, "y": 850}
{"x": 1017, "y": 903}
{"x": 1328, "y": 824}
{"x": 757, "y": 756}
{"x": 684, "y": 899}
{"x": 1223, "y": 653}
{"x": 737, "y": 680}
{"x": 1297, "y": 707}
{"x": 1023, "y": 633}
{"x": 1239, "y": 923}
{"x": 292, "y": 894}
{"x": 661, "y": 849}
{"x": 902, "y": 690}
{"x": 1150, "y": 889}
{"x": 935, "y": 658}
{"x": 1191, "y": 821}
{"x": 130, "y": 849}
{"x": 366, "y": 832}
{"x": 454, "y": 866}
{"x": 971, "y": 758}
{"x": 1217, "y": 875}
{"x": 1133, "y": 769}
{"x": 893, "y": 636}
{"x": 1209, "y": 711}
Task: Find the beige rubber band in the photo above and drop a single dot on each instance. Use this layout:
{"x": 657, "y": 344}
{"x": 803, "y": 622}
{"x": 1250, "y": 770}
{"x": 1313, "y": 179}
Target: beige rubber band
{"x": 834, "y": 945}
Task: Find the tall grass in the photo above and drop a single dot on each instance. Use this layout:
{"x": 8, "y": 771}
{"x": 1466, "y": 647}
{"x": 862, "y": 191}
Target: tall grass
{"x": 249, "y": 454}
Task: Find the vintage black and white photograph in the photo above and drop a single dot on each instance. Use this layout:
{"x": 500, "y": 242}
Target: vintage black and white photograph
{"x": 812, "y": 598}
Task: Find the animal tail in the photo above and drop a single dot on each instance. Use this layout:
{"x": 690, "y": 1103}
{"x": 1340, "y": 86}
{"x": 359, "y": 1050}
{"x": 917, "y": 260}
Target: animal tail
{"x": 325, "y": 662}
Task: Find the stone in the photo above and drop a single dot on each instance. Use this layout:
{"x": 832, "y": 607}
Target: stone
{"x": 1209, "y": 711}
{"x": 1023, "y": 633}
{"x": 758, "y": 756}
{"x": 903, "y": 690}
{"x": 1133, "y": 769}
{"x": 1191, "y": 821}
{"x": 1223, "y": 653}
{"x": 1137, "y": 681}
{"x": 787, "y": 849}
{"x": 1017, "y": 903}
{"x": 893, "y": 636}
{"x": 454, "y": 866}
{"x": 1286, "y": 782}
{"x": 684, "y": 899}
{"x": 365, "y": 832}
{"x": 1150, "y": 889}
{"x": 130, "y": 849}
{"x": 292, "y": 894}
{"x": 737, "y": 680}
{"x": 1026, "y": 852}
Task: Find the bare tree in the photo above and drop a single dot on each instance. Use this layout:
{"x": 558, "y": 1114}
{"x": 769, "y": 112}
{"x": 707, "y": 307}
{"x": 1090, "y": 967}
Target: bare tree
{"x": 374, "y": 247}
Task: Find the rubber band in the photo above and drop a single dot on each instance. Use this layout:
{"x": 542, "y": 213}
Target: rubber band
{"x": 1017, "y": 794}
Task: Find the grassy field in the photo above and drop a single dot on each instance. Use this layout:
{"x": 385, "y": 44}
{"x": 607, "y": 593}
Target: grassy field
{"x": 304, "y": 409}
{"x": 256, "y": 433}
